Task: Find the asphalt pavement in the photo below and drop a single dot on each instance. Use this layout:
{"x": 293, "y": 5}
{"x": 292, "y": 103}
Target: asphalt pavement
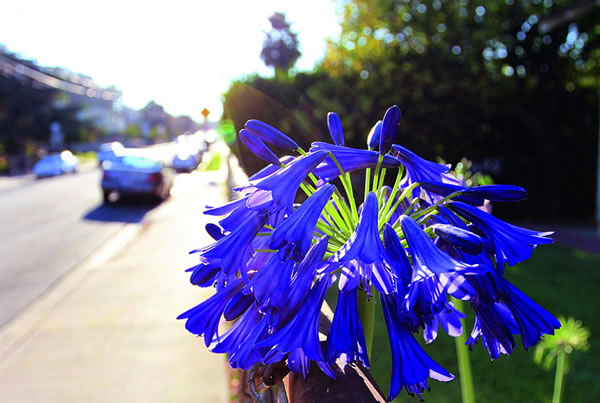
{"x": 105, "y": 329}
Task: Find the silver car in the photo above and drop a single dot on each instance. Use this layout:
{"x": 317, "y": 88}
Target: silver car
{"x": 136, "y": 175}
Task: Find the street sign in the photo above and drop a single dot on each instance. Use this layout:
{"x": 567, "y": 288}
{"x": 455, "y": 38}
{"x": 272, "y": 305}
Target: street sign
{"x": 205, "y": 113}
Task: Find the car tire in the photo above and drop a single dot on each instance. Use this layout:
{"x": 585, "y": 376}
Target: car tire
{"x": 106, "y": 196}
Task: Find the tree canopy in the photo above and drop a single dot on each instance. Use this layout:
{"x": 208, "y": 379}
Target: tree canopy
{"x": 510, "y": 84}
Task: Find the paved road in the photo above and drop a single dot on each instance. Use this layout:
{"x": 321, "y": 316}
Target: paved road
{"x": 47, "y": 227}
{"x": 106, "y": 331}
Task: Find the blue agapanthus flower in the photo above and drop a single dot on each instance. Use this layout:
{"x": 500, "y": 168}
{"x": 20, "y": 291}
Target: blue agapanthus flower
{"x": 413, "y": 247}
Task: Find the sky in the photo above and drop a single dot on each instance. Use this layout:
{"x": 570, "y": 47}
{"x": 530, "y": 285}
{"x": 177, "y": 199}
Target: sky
{"x": 181, "y": 54}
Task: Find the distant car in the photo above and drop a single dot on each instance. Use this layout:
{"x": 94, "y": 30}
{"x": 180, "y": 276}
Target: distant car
{"x": 136, "y": 175}
{"x": 56, "y": 164}
{"x": 186, "y": 162}
{"x": 109, "y": 151}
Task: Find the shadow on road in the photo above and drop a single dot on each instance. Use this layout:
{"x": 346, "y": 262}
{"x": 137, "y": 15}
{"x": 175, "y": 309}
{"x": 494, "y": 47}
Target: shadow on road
{"x": 129, "y": 210}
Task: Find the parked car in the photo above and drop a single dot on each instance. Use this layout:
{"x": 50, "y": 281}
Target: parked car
{"x": 109, "y": 151}
{"x": 136, "y": 175}
{"x": 56, "y": 164}
{"x": 186, "y": 162}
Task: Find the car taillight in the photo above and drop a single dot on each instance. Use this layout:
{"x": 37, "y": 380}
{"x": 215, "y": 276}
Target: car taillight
{"x": 154, "y": 178}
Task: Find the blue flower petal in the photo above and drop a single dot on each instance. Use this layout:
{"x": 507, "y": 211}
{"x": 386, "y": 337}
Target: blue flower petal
{"x": 204, "y": 318}
{"x": 346, "y": 336}
{"x": 334, "y": 124}
{"x": 389, "y": 128}
{"x": 435, "y": 273}
{"x": 214, "y": 231}
{"x": 277, "y": 191}
{"x": 350, "y": 159}
{"x": 533, "y": 320}
{"x": 363, "y": 256}
{"x": 512, "y": 244}
{"x": 501, "y": 193}
{"x": 297, "y": 230}
{"x": 446, "y": 189}
{"x": 420, "y": 170}
{"x": 493, "y": 324}
{"x": 270, "y": 134}
{"x": 374, "y": 135}
{"x": 271, "y": 169}
{"x": 231, "y": 251}
{"x": 270, "y": 284}
{"x": 238, "y": 304}
{"x": 461, "y": 238}
{"x": 411, "y": 366}
{"x": 302, "y": 331}
{"x": 259, "y": 148}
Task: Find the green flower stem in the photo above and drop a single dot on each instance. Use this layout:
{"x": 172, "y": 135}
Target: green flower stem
{"x": 390, "y": 201}
{"x": 380, "y": 186}
{"x": 464, "y": 363}
{"x": 340, "y": 222}
{"x": 312, "y": 177}
{"x": 336, "y": 219}
{"x": 347, "y": 183}
{"x": 377, "y": 172}
{"x": 335, "y": 238}
{"x": 330, "y": 231}
{"x": 417, "y": 215}
{"x": 366, "y": 312}
{"x": 412, "y": 206}
{"x": 343, "y": 209}
{"x": 559, "y": 377}
{"x": 408, "y": 190}
{"x": 367, "y": 181}
{"x": 335, "y": 216}
{"x": 352, "y": 201}
{"x": 266, "y": 250}
{"x": 426, "y": 217}
{"x": 306, "y": 189}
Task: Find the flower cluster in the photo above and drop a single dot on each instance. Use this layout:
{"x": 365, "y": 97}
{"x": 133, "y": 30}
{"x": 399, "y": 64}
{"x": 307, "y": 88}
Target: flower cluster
{"x": 412, "y": 246}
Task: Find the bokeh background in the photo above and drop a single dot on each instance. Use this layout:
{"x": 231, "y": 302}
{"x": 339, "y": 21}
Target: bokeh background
{"x": 504, "y": 90}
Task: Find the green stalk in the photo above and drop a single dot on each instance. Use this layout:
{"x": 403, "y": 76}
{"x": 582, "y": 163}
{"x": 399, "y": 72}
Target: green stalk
{"x": 380, "y": 186}
{"x": 377, "y": 171}
{"x": 367, "y": 181}
{"x": 406, "y": 192}
{"x": 559, "y": 377}
{"x": 366, "y": 312}
{"x": 384, "y": 211}
{"x": 464, "y": 363}
{"x": 352, "y": 202}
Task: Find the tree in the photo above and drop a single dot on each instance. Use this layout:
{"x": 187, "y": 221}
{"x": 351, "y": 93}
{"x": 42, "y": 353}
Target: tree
{"x": 476, "y": 78}
{"x": 280, "y": 49}
{"x": 27, "y": 108}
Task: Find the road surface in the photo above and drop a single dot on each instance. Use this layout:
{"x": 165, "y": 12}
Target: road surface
{"x": 104, "y": 329}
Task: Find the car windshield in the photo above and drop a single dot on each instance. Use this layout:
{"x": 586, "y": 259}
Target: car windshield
{"x": 138, "y": 162}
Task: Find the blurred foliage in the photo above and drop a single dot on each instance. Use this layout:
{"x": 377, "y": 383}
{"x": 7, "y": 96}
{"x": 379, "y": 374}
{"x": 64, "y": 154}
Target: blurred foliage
{"x": 87, "y": 156}
{"x": 27, "y": 110}
{"x": 481, "y": 79}
{"x": 133, "y": 131}
{"x": 280, "y": 49}
{"x": 213, "y": 164}
{"x": 468, "y": 174}
{"x": 26, "y": 113}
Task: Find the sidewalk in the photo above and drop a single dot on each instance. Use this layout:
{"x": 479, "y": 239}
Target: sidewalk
{"x": 107, "y": 332}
